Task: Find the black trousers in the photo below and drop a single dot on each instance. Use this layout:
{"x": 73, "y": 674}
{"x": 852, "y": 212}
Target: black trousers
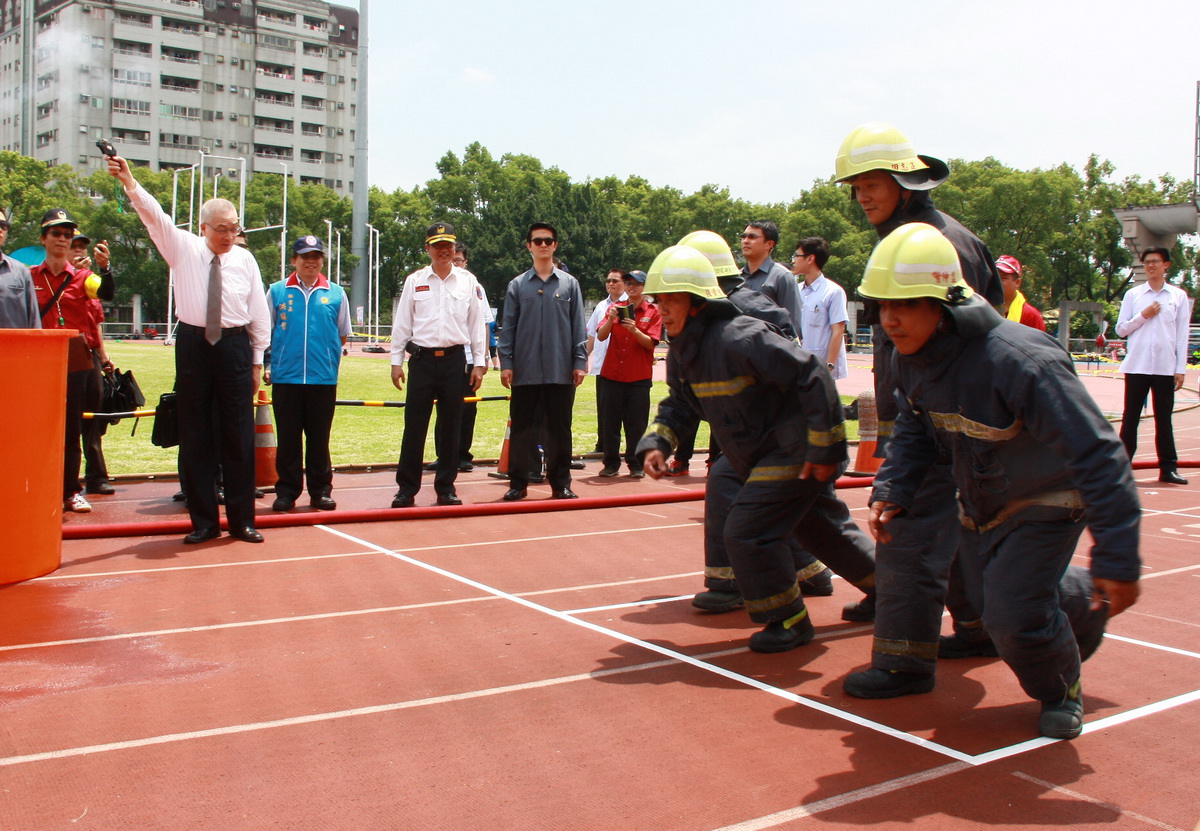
{"x": 303, "y": 419}
{"x": 95, "y": 468}
{"x": 1162, "y": 388}
{"x": 432, "y": 377}
{"x": 686, "y": 434}
{"x": 215, "y": 385}
{"x": 466, "y": 433}
{"x": 541, "y": 411}
{"x": 625, "y": 404}
{"x": 72, "y": 456}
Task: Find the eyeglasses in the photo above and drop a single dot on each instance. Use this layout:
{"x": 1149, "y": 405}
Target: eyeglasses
{"x": 61, "y": 233}
{"x": 543, "y": 240}
{"x": 752, "y": 236}
{"x": 614, "y": 281}
{"x": 800, "y": 255}
{"x": 1154, "y": 262}
{"x": 236, "y": 230}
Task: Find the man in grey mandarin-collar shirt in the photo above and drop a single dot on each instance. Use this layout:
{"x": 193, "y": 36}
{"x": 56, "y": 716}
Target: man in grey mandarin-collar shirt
{"x": 18, "y": 300}
{"x": 766, "y": 276}
{"x": 543, "y": 357}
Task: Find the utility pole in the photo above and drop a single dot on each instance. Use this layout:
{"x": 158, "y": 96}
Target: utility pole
{"x": 358, "y": 227}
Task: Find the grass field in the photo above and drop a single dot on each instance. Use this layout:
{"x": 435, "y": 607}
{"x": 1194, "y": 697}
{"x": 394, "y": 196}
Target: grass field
{"x": 361, "y": 435}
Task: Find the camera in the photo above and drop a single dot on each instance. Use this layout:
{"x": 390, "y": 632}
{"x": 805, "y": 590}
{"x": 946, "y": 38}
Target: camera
{"x": 106, "y": 148}
{"x": 625, "y": 312}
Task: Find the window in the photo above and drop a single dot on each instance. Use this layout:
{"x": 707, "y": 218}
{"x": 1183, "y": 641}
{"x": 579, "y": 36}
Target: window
{"x": 180, "y": 111}
{"x": 131, "y": 76}
{"x": 129, "y": 106}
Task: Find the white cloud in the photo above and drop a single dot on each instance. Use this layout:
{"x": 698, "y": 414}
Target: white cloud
{"x": 477, "y": 76}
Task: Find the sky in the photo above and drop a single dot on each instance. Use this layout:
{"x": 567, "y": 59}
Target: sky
{"x": 758, "y": 97}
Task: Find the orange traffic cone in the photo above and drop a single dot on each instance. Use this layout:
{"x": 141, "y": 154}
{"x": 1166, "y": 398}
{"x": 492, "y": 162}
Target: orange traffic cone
{"x": 265, "y": 445}
{"x": 865, "y": 463}
{"x": 502, "y": 466}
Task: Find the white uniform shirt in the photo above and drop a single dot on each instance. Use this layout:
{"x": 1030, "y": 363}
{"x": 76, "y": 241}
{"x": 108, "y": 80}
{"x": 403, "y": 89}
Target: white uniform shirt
{"x": 488, "y": 318}
{"x": 599, "y": 347}
{"x": 1156, "y": 345}
{"x": 437, "y": 313}
{"x": 824, "y": 304}
{"x": 243, "y": 299}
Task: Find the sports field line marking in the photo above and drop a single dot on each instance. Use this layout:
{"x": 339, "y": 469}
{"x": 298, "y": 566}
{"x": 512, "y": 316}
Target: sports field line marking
{"x": 1179, "y": 570}
{"x": 1150, "y": 645}
{"x": 670, "y": 653}
{"x": 848, "y": 798}
{"x": 476, "y": 544}
{"x": 241, "y": 624}
{"x": 1175, "y": 621}
{"x": 1050, "y": 786}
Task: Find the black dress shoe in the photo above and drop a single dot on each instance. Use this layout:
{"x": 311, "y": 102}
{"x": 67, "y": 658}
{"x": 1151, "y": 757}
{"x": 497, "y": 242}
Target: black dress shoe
{"x": 1171, "y": 478}
{"x": 429, "y": 466}
{"x": 180, "y": 496}
{"x": 465, "y": 467}
{"x": 258, "y": 493}
{"x": 565, "y": 493}
{"x": 246, "y": 534}
{"x": 578, "y": 464}
{"x": 102, "y": 488}
{"x": 323, "y": 503}
{"x": 282, "y": 503}
{"x": 403, "y": 500}
{"x": 448, "y": 499}
{"x": 513, "y": 494}
{"x": 201, "y": 536}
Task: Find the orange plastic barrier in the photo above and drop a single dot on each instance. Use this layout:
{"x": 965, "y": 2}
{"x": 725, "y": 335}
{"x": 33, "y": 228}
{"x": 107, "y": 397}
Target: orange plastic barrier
{"x": 31, "y": 487}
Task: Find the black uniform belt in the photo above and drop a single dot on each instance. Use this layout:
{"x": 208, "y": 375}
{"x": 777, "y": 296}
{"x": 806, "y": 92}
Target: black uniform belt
{"x": 232, "y": 330}
{"x": 435, "y": 351}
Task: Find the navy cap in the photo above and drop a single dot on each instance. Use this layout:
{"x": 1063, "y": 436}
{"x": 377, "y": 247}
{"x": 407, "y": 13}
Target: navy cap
{"x": 80, "y": 236}
{"x": 306, "y": 244}
{"x": 57, "y": 217}
{"x": 440, "y": 232}
{"x": 640, "y": 276}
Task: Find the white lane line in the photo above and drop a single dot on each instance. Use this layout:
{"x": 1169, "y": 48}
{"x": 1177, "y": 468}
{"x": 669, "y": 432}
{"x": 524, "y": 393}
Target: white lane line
{"x": 318, "y": 616}
{"x": 848, "y": 798}
{"x": 1050, "y": 786}
{"x": 474, "y": 544}
{"x": 1150, "y": 645}
{"x": 670, "y": 653}
{"x": 1171, "y": 620}
{"x": 1179, "y": 570}
{"x": 635, "y": 603}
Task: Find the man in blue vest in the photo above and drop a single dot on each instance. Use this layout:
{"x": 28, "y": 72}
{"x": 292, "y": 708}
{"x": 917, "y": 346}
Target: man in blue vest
{"x": 310, "y": 322}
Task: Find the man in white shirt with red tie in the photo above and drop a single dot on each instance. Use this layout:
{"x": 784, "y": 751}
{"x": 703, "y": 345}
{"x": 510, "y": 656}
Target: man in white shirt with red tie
{"x": 224, "y": 328}
{"x": 439, "y": 314}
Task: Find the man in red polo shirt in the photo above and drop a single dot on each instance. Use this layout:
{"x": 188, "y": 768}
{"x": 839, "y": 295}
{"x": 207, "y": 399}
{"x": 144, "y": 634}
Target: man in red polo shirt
{"x": 632, "y": 330}
{"x": 63, "y": 295}
{"x": 1016, "y": 307}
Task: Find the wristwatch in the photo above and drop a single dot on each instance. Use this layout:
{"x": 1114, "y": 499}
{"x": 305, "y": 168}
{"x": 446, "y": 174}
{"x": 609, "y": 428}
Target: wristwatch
{"x": 829, "y": 366}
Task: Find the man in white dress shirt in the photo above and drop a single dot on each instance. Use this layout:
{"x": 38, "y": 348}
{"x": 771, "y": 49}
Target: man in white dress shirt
{"x": 823, "y": 302}
{"x": 614, "y": 284}
{"x": 224, "y": 328}
{"x": 439, "y": 314}
{"x": 1154, "y": 320}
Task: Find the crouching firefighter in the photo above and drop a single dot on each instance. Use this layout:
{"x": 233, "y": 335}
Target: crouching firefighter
{"x": 1033, "y": 460}
{"x": 774, "y": 410}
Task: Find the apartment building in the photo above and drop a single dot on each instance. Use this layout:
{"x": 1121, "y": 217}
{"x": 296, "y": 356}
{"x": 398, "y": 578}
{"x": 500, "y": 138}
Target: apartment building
{"x": 274, "y": 83}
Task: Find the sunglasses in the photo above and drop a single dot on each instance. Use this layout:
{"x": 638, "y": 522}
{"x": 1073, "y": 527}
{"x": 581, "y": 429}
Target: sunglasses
{"x": 543, "y": 240}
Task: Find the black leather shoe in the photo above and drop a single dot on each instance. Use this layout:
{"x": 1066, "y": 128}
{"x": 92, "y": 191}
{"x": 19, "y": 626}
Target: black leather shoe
{"x": 776, "y": 638}
{"x": 429, "y": 466}
{"x": 323, "y": 503}
{"x": 201, "y": 536}
{"x": 403, "y": 500}
{"x": 1171, "y": 478}
{"x": 862, "y": 611}
{"x": 577, "y": 464}
{"x": 819, "y": 585}
{"x": 448, "y": 499}
{"x": 880, "y": 683}
{"x": 179, "y": 496}
{"x": 565, "y": 493}
{"x": 246, "y": 534}
{"x": 513, "y": 494}
{"x": 717, "y": 601}
{"x": 258, "y": 493}
{"x": 102, "y": 488}
{"x": 465, "y": 467}
{"x": 282, "y": 503}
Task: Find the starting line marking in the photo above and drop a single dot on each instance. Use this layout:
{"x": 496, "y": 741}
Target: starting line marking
{"x": 1050, "y": 786}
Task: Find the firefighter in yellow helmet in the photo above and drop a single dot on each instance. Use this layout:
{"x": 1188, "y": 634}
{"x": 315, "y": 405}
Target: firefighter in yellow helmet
{"x": 892, "y": 183}
{"x": 1033, "y": 459}
{"x": 774, "y": 411}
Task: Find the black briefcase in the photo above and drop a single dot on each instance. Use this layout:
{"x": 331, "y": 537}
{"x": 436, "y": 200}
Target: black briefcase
{"x": 166, "y": 422}
{"x": 121, "y": 393}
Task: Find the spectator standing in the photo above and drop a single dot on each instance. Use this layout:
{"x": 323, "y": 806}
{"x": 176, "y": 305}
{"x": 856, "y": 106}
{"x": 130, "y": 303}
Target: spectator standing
{"x": 18, "y": 299}
{"x": 440, "y": 312}
{"x": 63, "y": 294}
{"x": 630, "y": 331}
{"x": 1154, "y": 319}
{"x": 1016, "y": 307}
{"x": 543, "y": 358}
{"x": 614, "y": 285}
{"x": 95, "y": 469}
{"x": 224, "y": 328}
{"x": 310, "y": 322}
{"x": 466, "y": 436}
{"x": 823, "y": 319}
{"x": 764, "y": 275}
